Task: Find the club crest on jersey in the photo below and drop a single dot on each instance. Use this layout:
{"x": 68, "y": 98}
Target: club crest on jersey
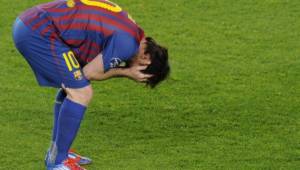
{"x": 78, "y": 75}
{"x": 115, "y": 62}
{"x": 70, "y": 3}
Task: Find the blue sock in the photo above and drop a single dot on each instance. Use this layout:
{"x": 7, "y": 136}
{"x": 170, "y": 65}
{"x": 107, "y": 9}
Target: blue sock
{"x": 69, "y": 120}
{"x": 60, "y": 97}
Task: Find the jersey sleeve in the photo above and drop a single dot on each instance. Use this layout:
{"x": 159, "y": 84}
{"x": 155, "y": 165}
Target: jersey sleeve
{"x": 118, "y": 48}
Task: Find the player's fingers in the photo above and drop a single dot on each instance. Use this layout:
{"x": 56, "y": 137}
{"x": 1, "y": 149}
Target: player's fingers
{"x": 140, "y": 68}
{"x": 144, "y": 76}
{"x": 145, "y": 62}
{"x": 147, "y": 76}
{"x": 143, "y": 80}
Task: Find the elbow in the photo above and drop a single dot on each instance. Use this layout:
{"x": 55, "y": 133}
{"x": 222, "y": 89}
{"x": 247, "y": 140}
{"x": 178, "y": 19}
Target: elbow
{"x": 87, "y": 74}
{"x": 94, "y": 76}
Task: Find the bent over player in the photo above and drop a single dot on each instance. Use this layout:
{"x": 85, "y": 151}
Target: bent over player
{"x": 68, "y": 43}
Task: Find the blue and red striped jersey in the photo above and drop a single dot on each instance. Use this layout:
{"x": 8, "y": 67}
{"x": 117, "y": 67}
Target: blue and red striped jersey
{"x": 88, "y": 27}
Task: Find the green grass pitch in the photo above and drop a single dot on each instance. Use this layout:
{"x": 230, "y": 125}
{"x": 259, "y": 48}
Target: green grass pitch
{"x": 232, "y": 101}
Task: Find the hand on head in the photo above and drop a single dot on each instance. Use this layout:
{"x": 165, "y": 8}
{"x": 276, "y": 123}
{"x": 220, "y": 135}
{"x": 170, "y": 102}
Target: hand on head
{"x": 135, "y": 73}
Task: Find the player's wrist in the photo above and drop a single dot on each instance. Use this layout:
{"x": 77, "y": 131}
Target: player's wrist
{"x": 125, "y": 72}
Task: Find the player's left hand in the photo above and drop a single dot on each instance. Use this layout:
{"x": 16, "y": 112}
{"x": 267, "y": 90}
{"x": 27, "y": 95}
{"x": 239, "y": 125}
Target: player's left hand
{"x": 135, "y": 73}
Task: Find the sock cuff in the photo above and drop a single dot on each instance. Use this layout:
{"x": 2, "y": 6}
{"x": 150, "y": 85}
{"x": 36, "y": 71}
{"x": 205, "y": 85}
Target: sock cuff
{"x": 75, "y": 110}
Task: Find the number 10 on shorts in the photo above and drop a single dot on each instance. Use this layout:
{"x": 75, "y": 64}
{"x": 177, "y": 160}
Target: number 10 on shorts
{"x": 71, "y": 61}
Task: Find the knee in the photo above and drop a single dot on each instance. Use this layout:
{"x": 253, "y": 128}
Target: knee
{"x": 82, "y": 96}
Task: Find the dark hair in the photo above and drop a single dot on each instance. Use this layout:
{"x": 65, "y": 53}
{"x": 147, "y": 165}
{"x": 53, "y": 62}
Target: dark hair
{"x": 159, "y": 66}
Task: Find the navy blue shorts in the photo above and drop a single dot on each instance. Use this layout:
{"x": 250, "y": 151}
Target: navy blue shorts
{"x": 53, "y": 62}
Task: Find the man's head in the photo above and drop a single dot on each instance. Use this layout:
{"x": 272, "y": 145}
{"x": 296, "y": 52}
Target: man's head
{"x": 156, "y": 58}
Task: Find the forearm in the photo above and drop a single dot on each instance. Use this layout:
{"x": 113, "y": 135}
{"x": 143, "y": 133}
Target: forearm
{"x": 98, "y": 76}
{"x": 95, "y": 71}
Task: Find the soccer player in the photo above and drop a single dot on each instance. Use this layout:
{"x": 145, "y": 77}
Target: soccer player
{"x": 69, "y": 43}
